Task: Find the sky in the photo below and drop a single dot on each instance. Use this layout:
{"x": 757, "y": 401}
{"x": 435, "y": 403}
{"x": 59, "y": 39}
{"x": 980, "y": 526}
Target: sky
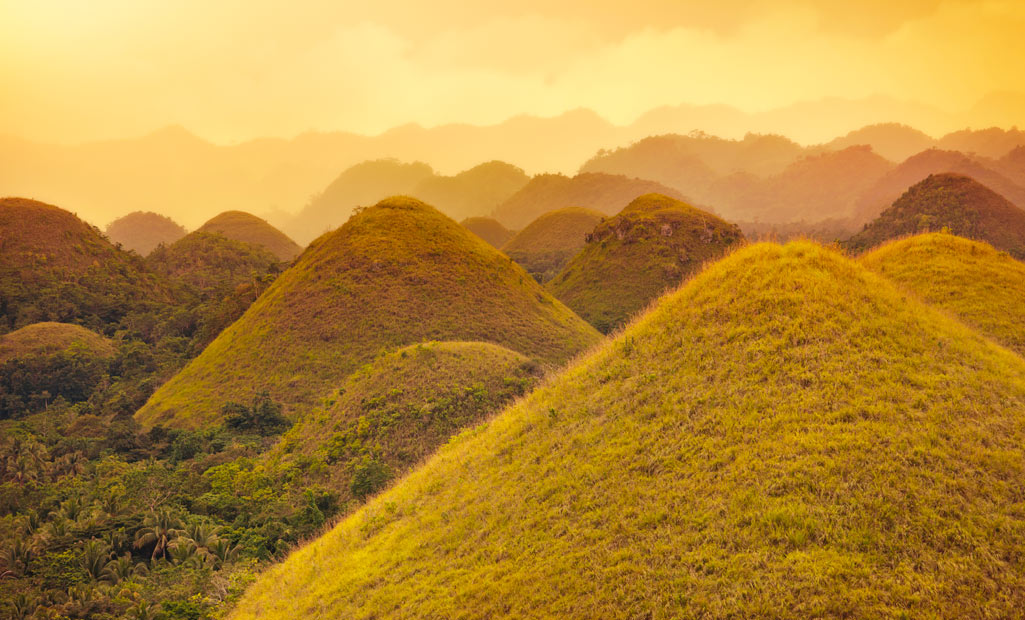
{"x": 76, "y": 70}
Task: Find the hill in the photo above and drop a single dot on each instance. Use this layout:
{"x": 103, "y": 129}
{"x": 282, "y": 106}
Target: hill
{"x": 978, "y": 284}
{"x": 473, "y": 192}
{"x": 45, "y": 339}
{"x": 784, "y": 436}
{"x": 142, "y": 231}
{"x": 961, "y": 204}
{"x": 488, "y": 229}
{"x": 632, "y": 258}
{"x": 55, "y": 267}
{"x": 606, "y": 193}
{"x": 894, "y": 183}
{"x": 1012, "y": 166}
{"x": 395, "y": 274}
{"x": 395, "y": 411}
{"x": 545, "y": 246}
{"x": 242, "y": 226}
{"x": 894, "y": 141}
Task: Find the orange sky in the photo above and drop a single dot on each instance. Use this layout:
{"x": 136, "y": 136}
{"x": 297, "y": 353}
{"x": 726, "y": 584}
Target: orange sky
{"x": 73, "y": 70}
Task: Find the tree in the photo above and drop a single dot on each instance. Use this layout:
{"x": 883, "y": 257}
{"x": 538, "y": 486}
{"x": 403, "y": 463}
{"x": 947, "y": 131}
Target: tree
{"x": 264, "y": 416}
{"x": 159, "y": 528}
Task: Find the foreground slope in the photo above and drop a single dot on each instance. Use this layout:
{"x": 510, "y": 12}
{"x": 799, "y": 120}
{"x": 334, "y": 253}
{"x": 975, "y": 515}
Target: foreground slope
{"x": 546, "y": 244}
{"x": 395, "y": 274}
{"x": 142, "y": 231}
{"x": 785, "y": 436}
{"x": 632, "y": 258}
{"x": 981, "y": 286}
{"x": 958, "y": 203}
{"x": 248, "y": 228}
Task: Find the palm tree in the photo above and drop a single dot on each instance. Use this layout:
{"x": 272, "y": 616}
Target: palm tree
{"x": 223, "y": 551}
{"x": 24, "y": 607}
{"x": 17, "y": 556}
{"x": 94, "y": 558}
{"x": 122, "y": 569}
{"x": 159, "y": 528}
{"x": 201, "y": 533}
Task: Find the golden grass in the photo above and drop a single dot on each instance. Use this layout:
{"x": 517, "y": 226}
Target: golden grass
{"x": 242, "y": 226}
{"x": 545, "y": 246}
{"x": 49, "y": 338}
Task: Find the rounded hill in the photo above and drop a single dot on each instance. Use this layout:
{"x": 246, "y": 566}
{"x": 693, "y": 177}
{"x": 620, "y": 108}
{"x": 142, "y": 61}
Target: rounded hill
{"x": 49, "y": 338}
{"x": 958, "y": 203}
{"x": 632, "y": 258}
{"x": 242, "y": 226}
{"x": 142, "y": 231}
{"x": 787, "y": 435}
{"x": 395, "y": 274}
{"x": 488, "y": 229}
{"x": 55, "y": 267}
{"x": 546, "y": 244}
{"x": 981, "y": 286}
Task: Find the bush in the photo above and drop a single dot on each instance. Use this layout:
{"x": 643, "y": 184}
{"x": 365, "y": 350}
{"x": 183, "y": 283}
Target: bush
{"x": 263, "y": 417}
{"x": 369, "y": 475}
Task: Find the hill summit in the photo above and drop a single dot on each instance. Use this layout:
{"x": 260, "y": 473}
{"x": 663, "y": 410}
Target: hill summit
{"x": 787, "y": 435}
{"x": 395, "y": 274}
{"x": 242, "y": 226}
{"x": 546, "y": 244}
{"x": 952, "y": 201}
{"x": 632, "y": 258}
{"x": 143, "y": 231}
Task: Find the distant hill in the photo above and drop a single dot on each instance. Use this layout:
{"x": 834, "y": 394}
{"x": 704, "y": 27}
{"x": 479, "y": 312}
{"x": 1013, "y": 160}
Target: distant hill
{"x": 952, "y": 201}
{"x": 397, "y": 410}
{"x": 787, "y": 435}
{"x": 992, "y": 142}
{"x": 978, "y": 284}
{"x": 55, "y": 267}
{"x": 248, "y": 228}
{"x": 606, "y": 193}
{"x": 488, "y": 229}
{"x": 887, "y": 189}
{"x": 141, "y": 231}
{"x": 893, "y": 141}
{"x": 395, "y": 274}
{"x": 632, "y": 258}
{"x": 545, "y": 246}
{"x": 51, "y": 338}
{"x": 1012, "y": 166}
{"x": 473, "y": 192}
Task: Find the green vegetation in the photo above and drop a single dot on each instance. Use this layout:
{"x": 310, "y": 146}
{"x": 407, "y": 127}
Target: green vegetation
{"x": 488, "y": 229}
{"x": 394, "y": 274}
{"x": 247, "y": 228}
{"x": 52, "y": 339}
{"x": 143, "y": 231}
{"x": 606, "y": 193}
{"x": 632, "y": 258}
{"x": 979, "y": 285}
{"x": 957, "y": 203}
{"x": 545, "y": 246}
{"x": 786, "y": 435}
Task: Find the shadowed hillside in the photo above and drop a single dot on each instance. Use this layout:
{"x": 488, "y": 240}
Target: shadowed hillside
{"x": 606, "y": 193}
{"x": 952, "y": 201}
{"x": 545, "y": 246}
{"x": 488, "y": 229}
{"x": 981, "y": 286}
{"x": 395, "y": 274}
{"x": 632, "y": 258}
{"x": 142, "y": 231}
{"x": 247, "y": 228}
{"x": 784, "y": 436}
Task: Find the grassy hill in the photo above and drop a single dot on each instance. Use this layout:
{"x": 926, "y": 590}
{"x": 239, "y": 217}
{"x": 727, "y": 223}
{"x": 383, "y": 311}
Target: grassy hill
{"x": 142, "y": 231}
{"x": 606, "y": 193}
{"x": 55, "y": 267}
{"x": 981, "y": 286}
{"x": 488, "y": 229}
{"x": 248, "y": 228}
{"x": 632, "y": 258}
{"x": 788, "y": 435}
{"x": 961, "y": 204}
{"x": 545, "y": 246}
{"x": 395, "y": 274}
{"x": 51, "y": 338}
{"x": 394, "y": 412}
{"x": 472, "y": 192}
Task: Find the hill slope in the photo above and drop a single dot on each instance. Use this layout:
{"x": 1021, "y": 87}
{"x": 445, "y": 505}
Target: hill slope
{"x": 959, "y": 203}
{"x": 632, "y": 258}
{"x": 248, "y": 228}
{"x": 142, "y": 231}
{"x": 51, "y": 338}
{"x": 395, "y": 274}
{"x": 546, "y": 244}
{"x": 547, "y": 192}
{"x": 981, "y": 286}
{"x": 785, "y": 436}
{"x": 473, "y": 192}
{"x": 55, "y": 267}
{"x": 488, "y": 229}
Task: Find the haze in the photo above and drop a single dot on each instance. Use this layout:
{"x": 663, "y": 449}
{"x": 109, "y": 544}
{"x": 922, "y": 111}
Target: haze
{"x": 72, "y": 71}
